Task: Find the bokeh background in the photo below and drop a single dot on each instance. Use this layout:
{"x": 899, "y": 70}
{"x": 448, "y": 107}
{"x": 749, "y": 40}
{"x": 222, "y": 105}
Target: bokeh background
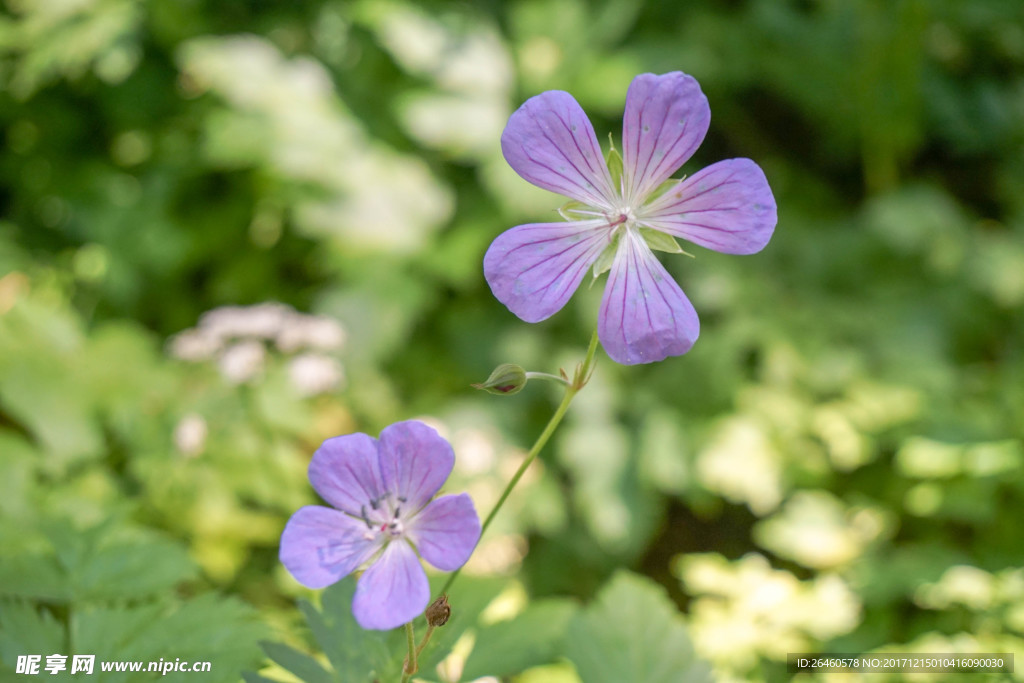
{"x": 233, "y": 228}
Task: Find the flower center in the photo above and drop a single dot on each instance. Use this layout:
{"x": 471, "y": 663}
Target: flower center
{"x": 394, "y": 528}
{"x": 621, "y": 219}
{"x": 384, "y": 517}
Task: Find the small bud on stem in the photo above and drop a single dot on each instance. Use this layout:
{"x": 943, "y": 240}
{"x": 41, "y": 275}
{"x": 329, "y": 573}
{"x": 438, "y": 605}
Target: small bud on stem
{"x": 507, "y": 378}
{"x": 437, "y": 612}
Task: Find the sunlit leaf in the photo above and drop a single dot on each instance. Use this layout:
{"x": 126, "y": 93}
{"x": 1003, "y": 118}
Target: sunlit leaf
{"x": 632, "y": 632}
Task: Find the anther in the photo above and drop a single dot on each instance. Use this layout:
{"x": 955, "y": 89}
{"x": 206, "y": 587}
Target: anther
{"x": 619, "y": 221}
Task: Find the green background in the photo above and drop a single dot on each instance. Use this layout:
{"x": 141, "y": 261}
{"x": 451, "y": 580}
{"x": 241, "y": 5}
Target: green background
{"x": 835, "y": 467}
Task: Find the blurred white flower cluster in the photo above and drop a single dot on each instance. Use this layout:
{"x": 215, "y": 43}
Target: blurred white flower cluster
{"x": 980, "y": 591}
{"x": 467, "y": 64}
{"x": 284, "y": 115}
{"x": 239, "y": 338}
{"x": 45, "y": 40}
{"x": 819, "y": 531}
{"x": 746, "y": 609}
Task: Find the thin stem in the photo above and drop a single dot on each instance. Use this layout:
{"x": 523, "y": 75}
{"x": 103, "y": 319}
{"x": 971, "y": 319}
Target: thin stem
{"x": 547, "y": 376}
{"x": 426, "y": 639}
{"x": 409, "y": 668}
{"x": 579, "y": 380}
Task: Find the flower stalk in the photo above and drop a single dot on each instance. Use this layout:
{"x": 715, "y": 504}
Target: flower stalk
{"x": 409, "y": 667}
{"x": 579, "y": 380}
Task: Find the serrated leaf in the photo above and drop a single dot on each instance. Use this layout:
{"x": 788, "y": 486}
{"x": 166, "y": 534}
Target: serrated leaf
{"x": 110, "y": 631}
{"x": 356, "y": 654}
{"x": 661, "y": 241}
{"x": 207, "y": 628}
{"x": 633, "y": 632}
{"x": 298, "y": 663}
{"x": 323, "y": 635}
{"x": 33, "y": 575}
{"x": 26, "y": 629}
{"x": 123, "y": 571}
{"x": 531, "y": 639}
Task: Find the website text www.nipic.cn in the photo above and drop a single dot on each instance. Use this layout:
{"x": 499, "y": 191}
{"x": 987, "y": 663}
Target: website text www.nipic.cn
{"x": 86, "y": 664}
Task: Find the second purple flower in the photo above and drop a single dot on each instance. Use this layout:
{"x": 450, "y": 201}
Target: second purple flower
{"x": 384, "y": 514}
{"x": 728, "y": 207}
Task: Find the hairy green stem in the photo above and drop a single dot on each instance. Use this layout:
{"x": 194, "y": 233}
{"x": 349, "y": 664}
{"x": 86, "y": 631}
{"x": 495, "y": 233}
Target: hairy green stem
{"x": 426, "y": 639}
{"x": 548, "y": 376}
{"x": 579, "y": 380}
{"x": 409, "y": 668}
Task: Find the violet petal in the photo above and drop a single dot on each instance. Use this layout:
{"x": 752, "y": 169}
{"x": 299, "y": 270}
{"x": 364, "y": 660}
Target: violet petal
{"x": 550, "y": 142}
{"x": 665, "y": 121}
{"x": 414, "y": 462}
{"x": 319, "y": 545}
{"x": 345, "y": 471}
{"x": 446, "y": 531}
{"x": 644, "y": 316}
{"x": 727, "y": 207}
{"x": 393, "y": 591}
{"x": 534, "y": 268}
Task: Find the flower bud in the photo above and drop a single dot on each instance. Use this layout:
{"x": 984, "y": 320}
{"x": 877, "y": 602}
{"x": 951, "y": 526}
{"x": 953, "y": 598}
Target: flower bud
{"x": 506, "y": 379}
{"x": 437, "y": 612}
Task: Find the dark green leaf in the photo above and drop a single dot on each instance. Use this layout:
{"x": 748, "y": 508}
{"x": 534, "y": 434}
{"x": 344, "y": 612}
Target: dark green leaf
{"x": 632, "y": 632}
{"x": 356, "y": 654}
{"x": 532, "y": 638}
{"x": 302, "y": 665}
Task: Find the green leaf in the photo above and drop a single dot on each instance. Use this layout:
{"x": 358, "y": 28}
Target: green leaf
{"x": 323, "y": 635}
{"x": 250, "y": 677}
{"x": 25, "y": 629}
{"x": 533, "y": 638}
{"x": 468, "y": 599}
{"x": 302, "y": 665}
{"x": 87, "y": 564}
{"x": 633, "y": 632}
{"x": 126, "y": 571}
{"x": 33, "y": 575}
{"x": 207, "y": 628}
{"x": 356, "y": 654}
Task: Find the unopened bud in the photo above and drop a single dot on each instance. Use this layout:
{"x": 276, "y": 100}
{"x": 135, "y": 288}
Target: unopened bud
{"x": 506, "y": 379}
{"x": 437, "y": 612}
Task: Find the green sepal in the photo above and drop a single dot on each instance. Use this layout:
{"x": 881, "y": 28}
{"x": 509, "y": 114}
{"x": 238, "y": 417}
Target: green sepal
{"x": 664, "y": 188}
{"x": 661, "y": 241}
{"x": 614, "y": 161}
{"x": 604, "y": 261}
{"x": 506, "y": 379}
{"x": 571, "y": 206}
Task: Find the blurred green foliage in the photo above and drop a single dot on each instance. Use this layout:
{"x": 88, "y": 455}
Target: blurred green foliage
{"x": 836, "y": 466}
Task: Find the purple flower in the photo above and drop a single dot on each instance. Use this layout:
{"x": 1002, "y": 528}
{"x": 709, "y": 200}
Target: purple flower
{"x": 534, "y": 268}
{"x": 382, "y": 490}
